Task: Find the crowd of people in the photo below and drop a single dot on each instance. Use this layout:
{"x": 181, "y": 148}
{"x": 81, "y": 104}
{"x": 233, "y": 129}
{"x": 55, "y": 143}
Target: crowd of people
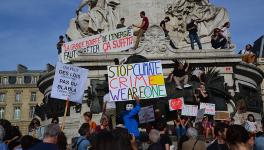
{"x": 209, "y": 134}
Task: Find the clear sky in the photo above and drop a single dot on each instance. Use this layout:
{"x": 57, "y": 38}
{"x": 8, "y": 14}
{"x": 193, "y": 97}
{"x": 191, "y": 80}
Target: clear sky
{"x": 29, "y": 29}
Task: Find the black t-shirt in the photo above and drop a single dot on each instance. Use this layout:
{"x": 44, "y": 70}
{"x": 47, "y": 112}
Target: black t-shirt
{"x": 118, "y": 26}
{"x": 179, "y": 72}
{"x": 165, "y": 139}
{"x": 155, "y": 146}
{"x": 216, "y": 146}
{"x": 163, "y": 23}
{"x": 203, "y": 99}
{"x": 192, "y": 25}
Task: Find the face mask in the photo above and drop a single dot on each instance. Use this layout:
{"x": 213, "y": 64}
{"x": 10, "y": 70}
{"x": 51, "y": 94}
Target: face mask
{"x": 129, "y": 107}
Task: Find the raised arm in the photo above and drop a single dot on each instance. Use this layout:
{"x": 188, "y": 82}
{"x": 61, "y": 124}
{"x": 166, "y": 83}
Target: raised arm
{"x": 136, "y": 109}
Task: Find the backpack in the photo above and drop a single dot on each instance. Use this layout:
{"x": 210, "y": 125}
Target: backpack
{"x": 76, "y": 144}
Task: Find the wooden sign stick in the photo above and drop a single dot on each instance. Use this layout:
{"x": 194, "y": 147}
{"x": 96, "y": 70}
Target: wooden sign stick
{"x": 65, "y": 113}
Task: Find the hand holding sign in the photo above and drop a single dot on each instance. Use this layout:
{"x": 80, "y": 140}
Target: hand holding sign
{"x": 136, "y": 98}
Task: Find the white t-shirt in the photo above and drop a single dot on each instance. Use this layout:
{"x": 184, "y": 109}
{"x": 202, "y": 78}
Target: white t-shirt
{"x": 109, "y": 104}
{"x": 251, "y": 126}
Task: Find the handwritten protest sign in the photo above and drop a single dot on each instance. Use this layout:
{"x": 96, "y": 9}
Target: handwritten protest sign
{"x": 146, "y": 114}
{"x": 176, "y": 103}
{"x": 200, "y": 115}
{"x": 143, "y": 79}
{"x": 69, "y": 82}
{"x": 112, "y": 41}
{"x": 222, "y": 115}
{"x": 189, "y": 110}
{"x": 209, "y": 108}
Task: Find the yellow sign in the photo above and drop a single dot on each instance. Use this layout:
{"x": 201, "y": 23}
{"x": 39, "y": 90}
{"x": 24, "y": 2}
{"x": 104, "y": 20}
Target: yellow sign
{"x": 156, "y": 80}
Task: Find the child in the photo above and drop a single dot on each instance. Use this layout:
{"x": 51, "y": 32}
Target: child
{"x": 251, "y": 124}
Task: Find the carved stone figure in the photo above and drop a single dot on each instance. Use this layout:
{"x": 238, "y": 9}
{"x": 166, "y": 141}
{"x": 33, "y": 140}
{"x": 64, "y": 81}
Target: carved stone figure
{"x": 102, "y": 16}
{"x": 207, "y": 16}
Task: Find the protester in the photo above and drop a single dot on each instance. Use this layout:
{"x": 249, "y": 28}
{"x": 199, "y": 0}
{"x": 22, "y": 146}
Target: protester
{"x": 62, "y": 141}
{"x": 181, "y": 126}
{"x": 207, "y": 128}
{"x": 28, "y": 142}
{"x": 109, "y": 108}
{"x": 34, "y": 128}
{"x": 220, "y": 133}
{"x": 259, "y": 142}
{"x": 104, "y": 141}
{"x": 50, "y": 138}
{"x": 129, "y": 119}
{"x": 193, "y": 143}
{"x": 124, "y": 140}
{"x": 3, "y": 146}
{"x": 160, "y": 120}
{"x": 59, "y": 45}
{"x": 121, "y": 24}
{"x": 251, "y": 124}
{"x": 104, "y": 124}
{"x": 192, "y": 28}
{"x": 154, "y": 137}
{"x": 88, "y": 119}
{"x": 179, "y": 75}
{"x": 237, "y": 138}
{"x": 226, "y": 33}
{"x": 201, "y": 94}
{"x": 142, "y": 28}
{"x": 198, "y": 74}
{"x": 55, "y": 120}
{"x": 83, "y": 143}
{"x": 163, "y": 25}
{"x": 247, "y": 55}
{"x": 165, "y": 140}
{"x": 218, "y": 40}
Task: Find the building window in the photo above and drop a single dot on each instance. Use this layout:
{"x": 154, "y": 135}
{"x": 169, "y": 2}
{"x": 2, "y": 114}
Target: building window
{"x": 35, "y": 80}
{"x": 19, "y": 80}
{"x": 33, "y": 96}
{"x": 18, "y": 97}
{"x": 5, "y": 80}
{"x": 2, "y": 112}
{"x": 17, "y": 113}
{"x": 2, "y": 97}
{"x": 32, "y": 111}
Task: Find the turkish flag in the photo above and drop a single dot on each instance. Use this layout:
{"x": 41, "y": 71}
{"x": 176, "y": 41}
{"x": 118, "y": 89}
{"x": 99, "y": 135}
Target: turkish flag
{"x": 176, "y": 103}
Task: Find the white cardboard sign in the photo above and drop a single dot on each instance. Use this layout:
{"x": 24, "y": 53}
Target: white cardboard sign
{"x": 69, "y": 82}
{"x": 209, "y": 108}
{"x": 189, "y": 110}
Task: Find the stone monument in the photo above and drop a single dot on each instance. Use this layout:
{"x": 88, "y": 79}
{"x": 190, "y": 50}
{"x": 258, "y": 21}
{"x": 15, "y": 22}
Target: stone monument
{"x": 103, "y": 15}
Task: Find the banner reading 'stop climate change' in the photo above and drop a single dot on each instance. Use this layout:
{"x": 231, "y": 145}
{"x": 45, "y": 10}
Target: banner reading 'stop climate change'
{"x": 143, "y": 79}
{"x": 112, "y": 41}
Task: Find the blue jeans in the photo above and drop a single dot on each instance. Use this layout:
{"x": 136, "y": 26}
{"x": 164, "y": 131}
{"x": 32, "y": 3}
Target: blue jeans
{"x": 195, "y": 38}
{"x": 180, "y": 131}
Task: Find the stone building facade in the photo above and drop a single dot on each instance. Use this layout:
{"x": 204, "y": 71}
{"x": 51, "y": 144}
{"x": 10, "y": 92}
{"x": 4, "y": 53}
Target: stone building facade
{"x": 19, "y": 96}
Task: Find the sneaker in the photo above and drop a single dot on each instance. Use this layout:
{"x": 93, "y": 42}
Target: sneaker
{"x": 179, "y": 87}
{"x": 187, "y": 85}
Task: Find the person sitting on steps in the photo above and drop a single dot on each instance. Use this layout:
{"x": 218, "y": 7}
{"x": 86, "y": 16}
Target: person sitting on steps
{"x": 179, "y": 75}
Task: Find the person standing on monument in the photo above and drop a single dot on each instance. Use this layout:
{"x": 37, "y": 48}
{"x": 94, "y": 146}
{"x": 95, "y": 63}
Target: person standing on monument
{"x": 109, "y": 108}
{"x": 121, "y": 24}
{"x": 163, "y": 25}
{"x": 142, "y": 28}
{"x": 59, "y": 45}
{"x": 193, "y": 29}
